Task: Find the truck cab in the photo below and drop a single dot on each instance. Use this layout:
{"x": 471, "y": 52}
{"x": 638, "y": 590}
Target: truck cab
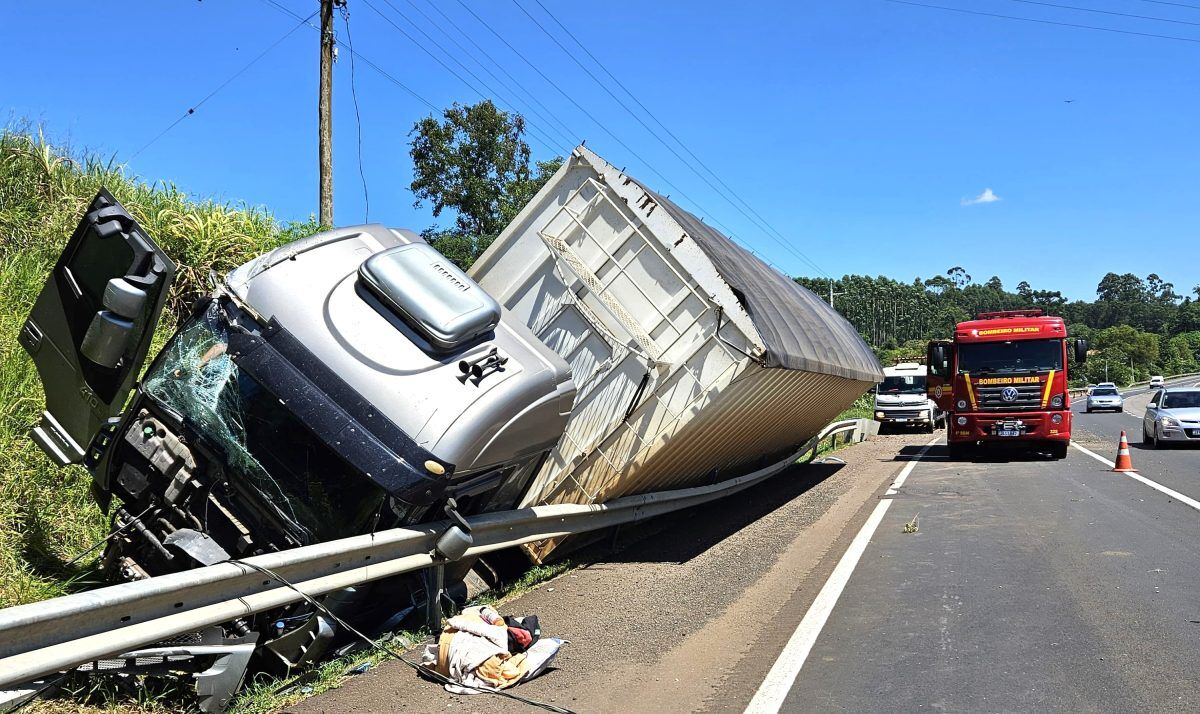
{"x": 1003, "y": 379}
{"x": 901, "y": 400}
{"x": 341, "y": 384}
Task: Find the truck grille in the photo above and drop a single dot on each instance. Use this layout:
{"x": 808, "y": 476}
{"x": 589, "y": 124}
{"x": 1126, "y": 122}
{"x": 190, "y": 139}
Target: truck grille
{"x": 904, "y": 413}
{"x": 1029, "y": 396}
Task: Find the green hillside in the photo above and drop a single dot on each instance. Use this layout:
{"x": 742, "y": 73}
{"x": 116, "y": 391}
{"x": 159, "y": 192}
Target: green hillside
{"x": 47, "y": 517}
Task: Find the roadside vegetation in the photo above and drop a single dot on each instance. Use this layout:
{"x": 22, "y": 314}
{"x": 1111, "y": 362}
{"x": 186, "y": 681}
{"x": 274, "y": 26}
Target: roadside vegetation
{"x": 47, "y": 516}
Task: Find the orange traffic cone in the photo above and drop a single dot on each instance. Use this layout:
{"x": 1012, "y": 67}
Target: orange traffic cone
{"x": 1124, "y": 463}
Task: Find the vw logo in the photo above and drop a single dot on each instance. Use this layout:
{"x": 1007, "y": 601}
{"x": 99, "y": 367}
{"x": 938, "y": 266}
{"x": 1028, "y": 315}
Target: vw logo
{"x": 1009, "y": 394}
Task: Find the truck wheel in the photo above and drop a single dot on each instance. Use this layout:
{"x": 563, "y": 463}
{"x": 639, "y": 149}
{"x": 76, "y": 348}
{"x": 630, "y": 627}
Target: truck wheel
{"x": 929, "y": 428}
{"x": 958, "y": 450}
{"x": 1058, "y": 450}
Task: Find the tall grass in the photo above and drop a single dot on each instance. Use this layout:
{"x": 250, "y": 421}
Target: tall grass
{"x": 46, "y": 514}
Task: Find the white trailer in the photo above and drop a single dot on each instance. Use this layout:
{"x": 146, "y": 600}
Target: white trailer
{"x": 694, "y": 360}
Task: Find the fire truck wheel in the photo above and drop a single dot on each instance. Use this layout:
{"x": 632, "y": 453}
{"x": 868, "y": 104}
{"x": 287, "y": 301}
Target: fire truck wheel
{"x": 1058, "y": 450}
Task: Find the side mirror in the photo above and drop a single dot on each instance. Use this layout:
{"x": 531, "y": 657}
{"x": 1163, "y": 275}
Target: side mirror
{"x": 1152, "y": 405}
{"x": 1081, "y": 348}
{"x": 111, "y": 332}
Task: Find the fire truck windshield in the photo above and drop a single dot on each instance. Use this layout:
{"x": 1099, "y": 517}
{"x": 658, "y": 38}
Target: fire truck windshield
{"x": 1010, "y": 357}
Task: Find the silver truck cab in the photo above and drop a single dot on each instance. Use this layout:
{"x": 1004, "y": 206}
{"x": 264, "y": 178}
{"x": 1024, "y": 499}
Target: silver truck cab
{"x": 350, "y": 381}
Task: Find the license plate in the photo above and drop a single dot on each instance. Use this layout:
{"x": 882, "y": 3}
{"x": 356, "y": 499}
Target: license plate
{"x": 901, "y": 419}
{"x": 1008, "y": 432}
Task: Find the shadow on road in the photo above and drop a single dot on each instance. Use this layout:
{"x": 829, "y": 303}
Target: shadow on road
{"x": 679, "y": 537}
{"x": 983, "y": 454}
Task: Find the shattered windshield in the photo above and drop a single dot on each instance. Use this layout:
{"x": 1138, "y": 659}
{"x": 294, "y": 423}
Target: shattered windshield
{"x": 305, "y": 482}
{"x": 1010, "y": 357}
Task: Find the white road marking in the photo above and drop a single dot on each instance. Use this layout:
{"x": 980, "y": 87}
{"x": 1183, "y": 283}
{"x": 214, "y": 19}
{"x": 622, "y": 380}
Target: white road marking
{"x": 774, "y": 689}
{"x": 1152, "y": 484}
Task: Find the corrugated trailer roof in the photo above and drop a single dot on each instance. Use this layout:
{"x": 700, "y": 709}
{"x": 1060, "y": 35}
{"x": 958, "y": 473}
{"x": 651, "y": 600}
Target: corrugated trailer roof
{"x": 798, "y": 329}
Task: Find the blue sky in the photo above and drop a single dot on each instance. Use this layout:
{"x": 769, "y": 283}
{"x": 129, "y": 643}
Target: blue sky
{"x": 858, "y": 129}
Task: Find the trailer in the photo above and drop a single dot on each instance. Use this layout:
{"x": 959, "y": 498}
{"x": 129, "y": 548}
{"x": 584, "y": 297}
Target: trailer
{"x": 694, "y": 360}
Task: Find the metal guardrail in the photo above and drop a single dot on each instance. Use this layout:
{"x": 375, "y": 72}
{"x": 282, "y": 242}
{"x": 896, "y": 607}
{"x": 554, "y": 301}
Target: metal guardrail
{"x": 852, "y": 428}
{"x": 41, "y": 638}
{"x": 1078, "y": 391}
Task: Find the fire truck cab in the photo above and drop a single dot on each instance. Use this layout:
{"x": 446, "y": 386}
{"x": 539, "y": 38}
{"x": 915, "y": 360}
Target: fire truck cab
{"x": 1003, "y": 378}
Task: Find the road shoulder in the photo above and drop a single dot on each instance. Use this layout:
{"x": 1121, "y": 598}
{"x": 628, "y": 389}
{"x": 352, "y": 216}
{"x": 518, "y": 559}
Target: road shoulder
{"x": 682, "y": 619}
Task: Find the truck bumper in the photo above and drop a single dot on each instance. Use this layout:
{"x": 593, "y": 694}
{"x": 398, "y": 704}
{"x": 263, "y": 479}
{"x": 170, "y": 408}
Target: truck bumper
{"x": 883, "y": 416}
{"x": 1038, "y": 426}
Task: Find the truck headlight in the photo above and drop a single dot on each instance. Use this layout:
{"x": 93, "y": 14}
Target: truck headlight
{"x": 1056, "y": 419}
{"x": 961, "y": 421}
{"x": 962, "y": 404}
{"x": 879, "y": 415}
{"x": 1056, "y": 401}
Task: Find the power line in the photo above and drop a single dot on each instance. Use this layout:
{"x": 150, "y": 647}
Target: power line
{"x": 558, "y": 140}
{"x": 541, "y": 137}
{"x": 499, "y": 66}
{"x": 1044, "y": 22}
{"x": 757, "y": 219}
{"x": 192, "y": 109}
{"x": 581, "y": 108}
{"x": 665, "y": 128}
{"x": 1175, "y": 4}
{"x": 382, "y": 72}
{"x": 357, "y": 118}
{"x": 1107, "y": 12}
{"x": 521, "y": 97}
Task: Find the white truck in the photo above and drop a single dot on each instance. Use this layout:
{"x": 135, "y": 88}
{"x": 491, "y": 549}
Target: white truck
{"x": 901, "y": 399}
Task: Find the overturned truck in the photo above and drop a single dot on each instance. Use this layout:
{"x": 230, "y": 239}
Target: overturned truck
{"x": 608, "y": 343}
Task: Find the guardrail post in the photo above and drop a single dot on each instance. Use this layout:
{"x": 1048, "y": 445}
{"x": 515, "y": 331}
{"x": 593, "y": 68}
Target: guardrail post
{"x": 435, "y": 585}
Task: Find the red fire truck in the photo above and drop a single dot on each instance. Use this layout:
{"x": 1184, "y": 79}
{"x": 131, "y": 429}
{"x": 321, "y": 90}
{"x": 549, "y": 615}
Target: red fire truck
{"x": 1003, "y": 378}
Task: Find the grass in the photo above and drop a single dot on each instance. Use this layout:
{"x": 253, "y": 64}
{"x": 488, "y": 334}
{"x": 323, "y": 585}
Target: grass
{"x": 46, "y": 513}
{"x": 862, "y": 408}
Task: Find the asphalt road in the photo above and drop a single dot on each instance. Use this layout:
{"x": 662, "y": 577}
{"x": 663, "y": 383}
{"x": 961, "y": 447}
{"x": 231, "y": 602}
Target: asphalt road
{"x": 1029, "y": 585}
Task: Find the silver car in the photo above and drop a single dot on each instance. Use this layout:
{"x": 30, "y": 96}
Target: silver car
{"x": 1105, "y": 398}
{"x": 1173, "y": 415}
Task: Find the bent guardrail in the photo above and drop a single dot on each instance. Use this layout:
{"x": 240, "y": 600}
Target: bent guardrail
{"x": 41, "y": 638}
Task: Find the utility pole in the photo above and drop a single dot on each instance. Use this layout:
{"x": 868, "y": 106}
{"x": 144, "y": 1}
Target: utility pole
{"x": 325, "y": 115}
{"x": 832, "y": 294}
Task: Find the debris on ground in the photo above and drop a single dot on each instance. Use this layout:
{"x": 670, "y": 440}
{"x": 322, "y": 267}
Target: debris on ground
{"x": 479, "y": 650}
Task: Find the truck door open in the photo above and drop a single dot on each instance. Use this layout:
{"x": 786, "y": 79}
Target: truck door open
{"x": 92, "y": 324}
{"x": 939, "y": 357}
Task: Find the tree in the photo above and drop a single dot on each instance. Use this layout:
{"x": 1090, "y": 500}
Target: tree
{"x": 994, "y": 283}
{"x": 475, "y": 162}
{"x": 959, "y": 277}
{"x": 1025, "y": 291}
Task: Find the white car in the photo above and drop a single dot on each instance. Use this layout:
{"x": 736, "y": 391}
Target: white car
{"x": 1156, "y": 381}
{"x": 1172, "y": 415}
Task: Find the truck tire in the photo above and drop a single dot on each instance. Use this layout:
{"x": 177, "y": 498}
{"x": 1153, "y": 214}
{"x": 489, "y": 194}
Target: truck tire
{"x": 1058, "y": 449}
{"x": 958, "y": 450}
